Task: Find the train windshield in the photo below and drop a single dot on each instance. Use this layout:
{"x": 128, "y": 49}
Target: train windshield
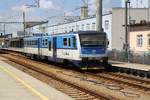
{"x": 88, "y": 40}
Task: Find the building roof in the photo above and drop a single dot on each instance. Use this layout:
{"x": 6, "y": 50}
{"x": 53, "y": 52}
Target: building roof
{"x": 143, "y": 26}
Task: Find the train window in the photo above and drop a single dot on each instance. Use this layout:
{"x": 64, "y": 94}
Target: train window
{"x": 49, "y": 46}
{"x": 69, "y": 44}
{"x": 74, "y": 42}
{"x": 36, "y": 42}
{"x": 65, "y": 41}
{"x": 31, "y": 43}
{"x": 43, "y": 42}
{"x": 46, "y": 41}
{"x": 28, "y": 43}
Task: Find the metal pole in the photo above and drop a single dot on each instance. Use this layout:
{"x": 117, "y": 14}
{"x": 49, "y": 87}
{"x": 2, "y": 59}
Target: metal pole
{"x": 126, "y": 25}
{"x": 4, "y": 29}
{"x": 129, "y": 29}
{"x": 99, "y": 16}
{"x": 24, "y": 25}
{"x": 38, "y": 3}
{"x": 126, "y": 30}
{"x": 148, "y": 11}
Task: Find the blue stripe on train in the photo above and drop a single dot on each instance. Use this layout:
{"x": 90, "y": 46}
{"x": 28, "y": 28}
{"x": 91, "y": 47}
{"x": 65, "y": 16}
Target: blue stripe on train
{"x": 92, "y": 50}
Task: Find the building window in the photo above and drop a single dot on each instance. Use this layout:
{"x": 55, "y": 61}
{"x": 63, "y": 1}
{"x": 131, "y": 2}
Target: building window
{"x": 70, "y": 28}
{"x": 77, "y": 28}
{"x": 65, "y": 29}
{"x": 87, "y": 26}
{"x": 139, "y": 40}
{"x": 73, "y": 28}
{"x": 148, "y": 39}
{"x": 106, "y": 24}
{"x": 93, "y": 26}
{"x": 82, "y": 28}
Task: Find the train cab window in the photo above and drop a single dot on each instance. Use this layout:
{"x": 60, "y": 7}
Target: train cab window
{"x": 69, "y": 42}
{"x": 46, "y": 42}
{"x": 49, "y": 45}
{"x": 65, "y": 41}
{"x": 74, "y": 42}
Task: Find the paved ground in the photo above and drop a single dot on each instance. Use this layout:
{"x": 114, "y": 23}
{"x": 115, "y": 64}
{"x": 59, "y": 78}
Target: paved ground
{"x": 130, "y": 65}
{"x": 17, "y": 85}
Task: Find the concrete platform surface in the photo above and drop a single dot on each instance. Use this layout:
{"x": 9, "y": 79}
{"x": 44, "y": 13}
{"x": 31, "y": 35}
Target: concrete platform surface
{"x": 17, "y": 85}
{"x": 142, "y": 67}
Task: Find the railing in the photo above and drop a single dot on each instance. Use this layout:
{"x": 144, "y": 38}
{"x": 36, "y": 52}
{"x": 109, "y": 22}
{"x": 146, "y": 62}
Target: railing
{"x": 141, "y": 58}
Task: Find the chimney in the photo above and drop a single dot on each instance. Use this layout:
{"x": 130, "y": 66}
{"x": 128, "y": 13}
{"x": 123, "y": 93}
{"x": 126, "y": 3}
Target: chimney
{"x": 84, "y": 12}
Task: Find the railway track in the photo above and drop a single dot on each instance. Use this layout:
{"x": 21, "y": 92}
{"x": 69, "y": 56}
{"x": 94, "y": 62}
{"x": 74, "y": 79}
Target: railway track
{"x": 117, "y": 78}
{"x": 71, "y": 89}
{"x": 124, "y": 80}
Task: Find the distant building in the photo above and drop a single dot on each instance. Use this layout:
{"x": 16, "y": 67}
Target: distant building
{"x": 118, "y": 20}
{"x": 140, "y": 37}
{"x": 79, "y": 25}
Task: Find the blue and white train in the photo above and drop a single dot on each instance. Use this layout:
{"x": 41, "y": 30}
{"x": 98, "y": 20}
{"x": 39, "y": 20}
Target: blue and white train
{"x": 85, "y": 49}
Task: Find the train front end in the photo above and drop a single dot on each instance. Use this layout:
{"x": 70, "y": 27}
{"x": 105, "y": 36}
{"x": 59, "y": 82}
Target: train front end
{"x": 93, "y": 49}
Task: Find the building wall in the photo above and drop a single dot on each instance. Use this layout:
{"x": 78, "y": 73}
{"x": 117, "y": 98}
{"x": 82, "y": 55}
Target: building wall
{"x": 145, "y": 47}
{"x": 118, "y": 20}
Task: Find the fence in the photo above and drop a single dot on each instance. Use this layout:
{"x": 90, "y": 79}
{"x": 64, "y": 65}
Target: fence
{"x": 141, "y": 58}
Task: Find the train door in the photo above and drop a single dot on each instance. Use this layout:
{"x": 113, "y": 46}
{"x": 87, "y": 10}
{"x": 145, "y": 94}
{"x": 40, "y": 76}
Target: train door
{"x": 54, "y": 47}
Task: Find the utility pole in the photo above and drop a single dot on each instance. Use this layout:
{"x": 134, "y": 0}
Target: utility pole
{"x": 38, "y": 3}
{"x": 148, "y": 12}
{"x": 4, "y": 29}
{"x": 99, "y": 16}
{"x": 126, "y": 25}
{"x": 127, "y": 2}
{"x": 24, "y": 24}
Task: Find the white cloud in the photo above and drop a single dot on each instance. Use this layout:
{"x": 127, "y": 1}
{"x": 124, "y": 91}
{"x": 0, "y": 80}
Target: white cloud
{"x": 47, "y": 5}
{"x": 20, "y": 8}
{"x": 68, "y": 13}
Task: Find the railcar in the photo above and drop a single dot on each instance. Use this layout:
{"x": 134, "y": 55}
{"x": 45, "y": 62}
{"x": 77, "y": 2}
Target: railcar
{"x": 15, "y": 44}
{"x": 83, "y": 50}
{"x": 86, "y": 49}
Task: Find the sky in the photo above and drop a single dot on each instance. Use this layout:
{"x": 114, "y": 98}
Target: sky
{"x": 11, "y": 10}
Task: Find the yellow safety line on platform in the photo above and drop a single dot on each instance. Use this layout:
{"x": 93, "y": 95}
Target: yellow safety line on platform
{"x": 24, "y": 83}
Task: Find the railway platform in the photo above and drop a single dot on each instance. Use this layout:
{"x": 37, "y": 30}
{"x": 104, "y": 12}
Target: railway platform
{"x": 131, "y": 68}
{"x": 17, "y": 85}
